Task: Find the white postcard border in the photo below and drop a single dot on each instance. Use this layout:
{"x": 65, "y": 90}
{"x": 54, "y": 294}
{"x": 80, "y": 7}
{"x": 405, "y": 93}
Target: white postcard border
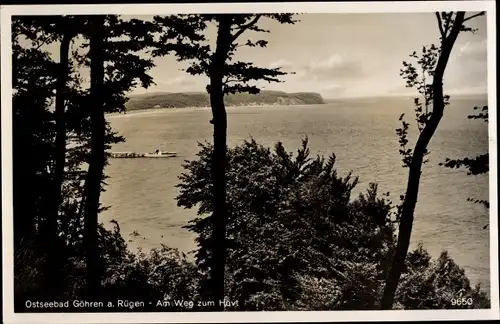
{"x": 210, "y": 317}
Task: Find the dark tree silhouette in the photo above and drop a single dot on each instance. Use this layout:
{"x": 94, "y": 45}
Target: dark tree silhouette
{"x": 60, "y": 154}
{"x": 65, "y": 28}
{"x": 36, "y": 87}
{"x": 34, "y": 82}
{"x": 33, "y": 87}
{"x": 69, "y": 27}
{"x": 226, "y": 76}
{"x": 96, "y": 158}
{"x": 433, "y": 62}
{"x": 114, "y": 68}
{"x": 41, "y": 30}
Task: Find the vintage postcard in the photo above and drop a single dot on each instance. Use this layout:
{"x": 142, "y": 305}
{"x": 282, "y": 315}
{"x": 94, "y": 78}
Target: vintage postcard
{"x": 249, "y": 162}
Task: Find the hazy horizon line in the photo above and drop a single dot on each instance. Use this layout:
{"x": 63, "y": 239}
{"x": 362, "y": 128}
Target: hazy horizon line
{"x": 387, "y": 95}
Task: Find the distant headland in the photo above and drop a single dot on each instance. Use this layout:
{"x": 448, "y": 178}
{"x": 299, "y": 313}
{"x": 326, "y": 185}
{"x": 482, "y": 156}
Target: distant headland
{"x": 200, "y": 99}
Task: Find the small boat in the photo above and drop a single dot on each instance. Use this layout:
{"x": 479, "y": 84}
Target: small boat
{"x": 160, "y": 155}
{"x": 131, "y": 155}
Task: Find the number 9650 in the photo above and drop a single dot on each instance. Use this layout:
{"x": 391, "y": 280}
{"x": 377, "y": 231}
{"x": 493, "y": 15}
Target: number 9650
{"x": 461, "y": 301}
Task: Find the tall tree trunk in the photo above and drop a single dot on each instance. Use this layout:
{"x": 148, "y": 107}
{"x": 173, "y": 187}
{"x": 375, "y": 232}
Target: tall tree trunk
{"x": 410, "y": 201}
{"x": 24, "y": 197}
{"x": 53, "y": 253}
{"x": 97, "y": 157}
{"x": 60, "y": 156}
{"x": 219, "y": 161}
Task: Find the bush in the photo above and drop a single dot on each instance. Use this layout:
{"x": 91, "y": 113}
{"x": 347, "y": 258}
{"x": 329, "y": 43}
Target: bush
{"x": 290, "y": 217}
{"x": 161, "y": 274}
{"x": 298, "y": 240}
{"x": 434, "y": 284}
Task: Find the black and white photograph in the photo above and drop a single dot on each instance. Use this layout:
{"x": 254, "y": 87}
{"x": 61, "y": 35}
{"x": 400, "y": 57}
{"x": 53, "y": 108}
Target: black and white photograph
{"x": 249, "y": 162}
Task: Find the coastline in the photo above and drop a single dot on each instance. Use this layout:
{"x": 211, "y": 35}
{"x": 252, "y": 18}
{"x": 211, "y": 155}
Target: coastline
{"x": 152, "y": 111}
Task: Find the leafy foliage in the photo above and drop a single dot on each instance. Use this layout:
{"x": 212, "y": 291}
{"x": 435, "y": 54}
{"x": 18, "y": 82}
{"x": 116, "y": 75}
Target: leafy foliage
{"x": 421, "y": 79}
{"x": 161, "y": 274}
{"x": 184, "y": 35}
{"x": 477, "y": 165}
{"x": 434, "y": 284}
{"x": 297, "y": 239}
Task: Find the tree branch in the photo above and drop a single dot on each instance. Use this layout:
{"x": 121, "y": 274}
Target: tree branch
{"x": 440, "y": 24}
{"x": 229, "y": 80}
{"x": 243, "y": 28}
{"x": 41, "y": 43}
{"x": 474, "y": 16}
{"x": 447, "y": 23}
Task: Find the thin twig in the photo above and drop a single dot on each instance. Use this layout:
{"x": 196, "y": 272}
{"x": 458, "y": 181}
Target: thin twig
{"x": 243, "y": 28}
{"x": 41, "y": 43}
{"x": 474, "y": 16}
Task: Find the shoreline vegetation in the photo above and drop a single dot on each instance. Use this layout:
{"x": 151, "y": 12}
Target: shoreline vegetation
{"x": 199, "y": 99}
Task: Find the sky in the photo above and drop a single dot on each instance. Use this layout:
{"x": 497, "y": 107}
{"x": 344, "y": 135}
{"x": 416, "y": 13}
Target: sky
{"x": 345, "y": 55}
